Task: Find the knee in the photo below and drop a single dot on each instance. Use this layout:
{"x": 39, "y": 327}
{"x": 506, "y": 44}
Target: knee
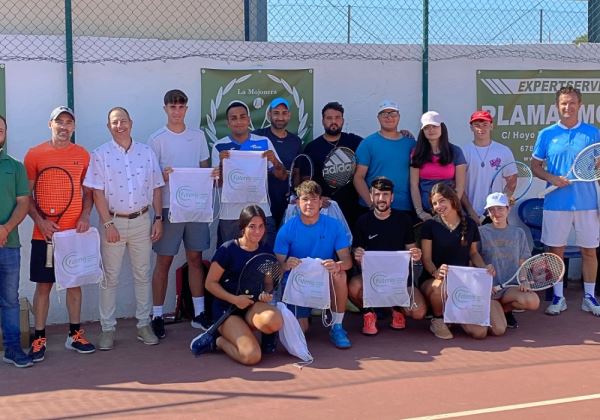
{"x": 355, "y": 288}
{"x": 532, "y": 302}
{"x": 477, "y": 332}
{"x": 271, "y": 322}
{"x": 498, "y": 330}
{"x": 419, "y": 313}
{"x": 250, "y": 356}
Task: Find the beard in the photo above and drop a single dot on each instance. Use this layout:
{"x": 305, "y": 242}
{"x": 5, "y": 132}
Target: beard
{"x": 279, "y": 125}
{"x": 333, "y": 131}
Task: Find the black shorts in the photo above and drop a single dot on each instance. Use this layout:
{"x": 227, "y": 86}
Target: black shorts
{"x": 219, "y": 307}
{"x": 38, "y": 272}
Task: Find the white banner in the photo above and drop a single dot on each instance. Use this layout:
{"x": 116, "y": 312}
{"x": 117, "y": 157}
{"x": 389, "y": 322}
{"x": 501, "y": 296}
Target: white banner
{"x": 308, "y": 285}
{"x": 244, "y": 177}
{"x": 469, "y": 295}
{"x": 385, "y": 276}
{"x": 77, "y": 259}
{"x": 191, "y": 195}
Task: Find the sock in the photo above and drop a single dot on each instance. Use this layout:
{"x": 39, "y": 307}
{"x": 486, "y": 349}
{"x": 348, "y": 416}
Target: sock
{"x": 39, "y": 334}
{"x": 198, "y": 305}
{"x": 73, "y": 328}
{"x": 589, "y": 288}
{"x": 365, "y": 310}
{"x": 558, "y": 289}
{"x": 157, "y": 311}
{"x": 338, "y": 317}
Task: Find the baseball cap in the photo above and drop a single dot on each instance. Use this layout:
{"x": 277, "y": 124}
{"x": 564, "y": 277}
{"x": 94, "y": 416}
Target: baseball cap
{"x": 496, "y": 199}
{"x": 236, "y": 103}
{"x": 382, "y": 183}
{"x": 431, "y": 118}
{"x": 481, "y": 116}
{"x": 59, "y": 110}
{"x": 279, "y": 101}
{"x": 388, "y": 105}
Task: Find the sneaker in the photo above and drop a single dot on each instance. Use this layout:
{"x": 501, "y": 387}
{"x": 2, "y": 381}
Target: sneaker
{"x": 201, "y": 321}
{"x": 558, "y": 305}
{"x": 79, "y": 343}
{"x": 203, "y": 343}
{"x": 440, "y": 329}
{"x": 268, "y": 343}
{"x": 398, "y": 320}
{"x": 511, "y": 321}
{"x": 590, "y": 304}
{"x": 339, "y": 337}
{"x": 369, "y": 323}
{"x": 145, "y": 335}
{"x": 107, "y": 340}
{"x": 158, "y": 326}
{"x": 17, "y": 357}
{"x": 38, "y": 349}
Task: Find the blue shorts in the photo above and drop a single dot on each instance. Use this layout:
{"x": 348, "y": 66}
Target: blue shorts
{"x": 299, "y": 311}
{"x": 195, "y": 236}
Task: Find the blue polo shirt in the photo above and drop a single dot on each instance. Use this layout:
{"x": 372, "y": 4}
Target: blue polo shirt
{"x": 558, "y": 146}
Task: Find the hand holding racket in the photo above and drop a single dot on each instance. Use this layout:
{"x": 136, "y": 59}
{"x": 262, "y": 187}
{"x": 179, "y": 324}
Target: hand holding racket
{"x": 537, "y": 273}
{"x": 258, "y": 279}
{"x": 52, "y": 193}
{"x": 301, "y": 169}
{"x": 515, "y": 187}
{"x": 585, "y": 168}
{"x": 339, "y": 167}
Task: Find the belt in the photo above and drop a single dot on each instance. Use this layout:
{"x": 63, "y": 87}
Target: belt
{"x": 131, "y": 215}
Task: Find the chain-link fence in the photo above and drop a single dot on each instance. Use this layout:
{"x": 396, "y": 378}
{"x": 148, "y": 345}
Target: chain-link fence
{"x": 238, "y": 30}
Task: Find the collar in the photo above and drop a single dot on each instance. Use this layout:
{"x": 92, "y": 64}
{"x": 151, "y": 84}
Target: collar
{"x": 564, "y": 127}
{"x": 121, "y": 148}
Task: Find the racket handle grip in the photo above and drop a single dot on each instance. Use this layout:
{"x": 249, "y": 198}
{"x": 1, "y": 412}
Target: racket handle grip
{"x": 547, "y": 191}
{"x": 49, "y": 255}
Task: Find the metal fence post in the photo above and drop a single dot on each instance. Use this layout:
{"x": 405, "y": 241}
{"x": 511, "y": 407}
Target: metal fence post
{"x": 594, "y": 21}
{"x": 425, "y": 57}
{"x": 69, "y": 56}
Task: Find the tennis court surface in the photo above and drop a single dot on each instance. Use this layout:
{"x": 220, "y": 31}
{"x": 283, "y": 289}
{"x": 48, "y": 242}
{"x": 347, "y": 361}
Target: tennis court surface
{"x": 549, "y": 367}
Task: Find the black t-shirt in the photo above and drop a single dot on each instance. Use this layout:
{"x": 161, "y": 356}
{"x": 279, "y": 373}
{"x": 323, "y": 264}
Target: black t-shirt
{"x": 346, "y": 196}
{"x": 445, "y": 244}
{"x": 391, "y": 234}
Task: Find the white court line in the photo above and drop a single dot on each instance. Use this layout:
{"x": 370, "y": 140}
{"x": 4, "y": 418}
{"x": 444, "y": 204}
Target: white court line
{"x": 507, "y": 407}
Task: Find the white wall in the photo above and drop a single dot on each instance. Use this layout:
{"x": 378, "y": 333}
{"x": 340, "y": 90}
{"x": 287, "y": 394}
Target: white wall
{"x": 35, "y": 88}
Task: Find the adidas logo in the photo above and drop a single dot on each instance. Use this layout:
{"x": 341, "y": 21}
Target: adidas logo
{"x": 338, "y": 163}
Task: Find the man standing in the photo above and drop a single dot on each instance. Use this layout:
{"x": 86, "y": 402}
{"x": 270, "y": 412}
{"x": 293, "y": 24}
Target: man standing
{"x": 178, "y": 146}
{"x": 484, "y": 157}
{"x": 126, "y": 180}
{"x": 58, "y": 151}
{"x": 333, "y": 121}
{"x": 287, "y": 145}
{"x": 385, "y": 153}
{"x": 572, "y": 204}
{"x": 238, "y": 121}
{"x": 14, "y": 203}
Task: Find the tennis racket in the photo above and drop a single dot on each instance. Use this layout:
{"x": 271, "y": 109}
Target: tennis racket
{"x": 585, "y": 168}
{"x": 540, "y": 272}
{"x": 301, "y": 169}
{"x": 262, "y": 273}
{"x": 513, "y": 189}
{"x": 52, "y": 193}
{"x": 339, "y": 166}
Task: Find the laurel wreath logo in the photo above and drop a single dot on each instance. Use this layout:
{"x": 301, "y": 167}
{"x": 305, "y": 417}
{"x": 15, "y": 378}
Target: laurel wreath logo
{"x": 215, "y": 103}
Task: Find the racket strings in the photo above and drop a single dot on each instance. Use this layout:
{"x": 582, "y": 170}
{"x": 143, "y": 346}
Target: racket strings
{"x": 587, "y": 164}
{"x": 53, "y": 191}
{"x": 524, "y": 179}
{"x": 541, "y": 272}
{"x": 339, "y": 167}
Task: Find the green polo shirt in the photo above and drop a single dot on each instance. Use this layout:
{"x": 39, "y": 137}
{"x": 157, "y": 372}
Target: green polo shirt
{"x": 13, "y": 184}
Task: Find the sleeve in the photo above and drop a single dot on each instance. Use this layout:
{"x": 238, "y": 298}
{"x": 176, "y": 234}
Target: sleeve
{"x": 214, "y": 157}
{"x": 282, "y": 243}
{"x": 155, "y": 146}
{"x": 223, "y": 256}
{"x": 359, "y": 234}
{"x": 22, "y": 186}
{"x": 30, "y": 164}
{"x": 363, "y": 157}
{"x": 341, "y": 239}
{"x": 204, "y": 153}
{"x": 540, "y": 148}
{"x": 271, "y": 147}
{"x": 94, "y": 177}
{"x": 427, "y": 230}
{"x": 524, "y": 251}
{"x": 459, "y": 156}
{"x": 472, "y": 225}
{"x": 157, "y": 178}
{"x": 86, "y": 165}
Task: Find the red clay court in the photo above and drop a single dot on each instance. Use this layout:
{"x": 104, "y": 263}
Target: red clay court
{"x": 547, "y": 368}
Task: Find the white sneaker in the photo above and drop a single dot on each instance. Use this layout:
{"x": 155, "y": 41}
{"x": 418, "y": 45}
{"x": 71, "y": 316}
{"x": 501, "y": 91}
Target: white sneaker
{"x": 590, "y": 304}
{"x": 558, "y": 305}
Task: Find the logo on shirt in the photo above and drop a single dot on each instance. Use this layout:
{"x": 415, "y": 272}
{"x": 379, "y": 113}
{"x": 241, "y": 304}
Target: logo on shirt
{"x": 256, "y": 147}
{"x": 495, "y": 163}
{"x": 373, "y": 236}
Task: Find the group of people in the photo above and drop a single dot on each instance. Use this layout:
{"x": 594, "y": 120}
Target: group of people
{"x": 399, "y": 183}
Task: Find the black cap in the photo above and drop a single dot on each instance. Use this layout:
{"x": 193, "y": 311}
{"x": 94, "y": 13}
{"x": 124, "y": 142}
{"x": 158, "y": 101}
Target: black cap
{"x": 382, "y": 183}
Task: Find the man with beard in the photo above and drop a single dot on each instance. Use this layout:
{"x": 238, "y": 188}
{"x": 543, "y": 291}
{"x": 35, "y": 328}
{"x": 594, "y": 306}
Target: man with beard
{"x": 384, "y": 229}
{"x": 318, "y": 149}
{"x": 287, "y": 145}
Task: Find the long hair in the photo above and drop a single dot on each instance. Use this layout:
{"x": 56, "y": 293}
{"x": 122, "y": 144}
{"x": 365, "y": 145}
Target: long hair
{"x": 449, "y": 194}
{"x": 423, "y": 152}
{"x": 248, "y": 213}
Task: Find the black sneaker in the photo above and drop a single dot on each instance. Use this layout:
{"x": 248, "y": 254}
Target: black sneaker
{"x": 158, "y": 327}
{"x": 511, "y": 321}
{"x": 38, "y": 349}
{"x": 79, "y": 343}
{"x": 201, "y": 322}
{"x": 17, "y": 357}
{"x": 268, "y": 343}
{"x": 203, "y": 343}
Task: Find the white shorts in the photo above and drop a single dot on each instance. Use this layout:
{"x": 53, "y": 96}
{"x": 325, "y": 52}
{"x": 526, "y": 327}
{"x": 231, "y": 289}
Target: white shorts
{"x": 556, "y": 227}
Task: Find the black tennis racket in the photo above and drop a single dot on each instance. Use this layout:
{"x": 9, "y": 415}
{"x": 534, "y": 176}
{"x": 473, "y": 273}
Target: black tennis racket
{"x": 339, "y": 167}
{"x": 301, "y": 169}
{"x": 52, "y": 193}
{"x": 261, "y": 274}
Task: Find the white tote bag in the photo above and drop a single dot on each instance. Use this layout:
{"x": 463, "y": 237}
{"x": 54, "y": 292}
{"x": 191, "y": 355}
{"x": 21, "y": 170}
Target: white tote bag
{"x": 308, "y": 285}
{"x": 191, "y": 195}
{"x": 385, "y": 277}
{"x": 469, "y": 295}
{"x": 291, "y": 335}
{"x": 244, "y": 177}
{"x": 77, "y": 259}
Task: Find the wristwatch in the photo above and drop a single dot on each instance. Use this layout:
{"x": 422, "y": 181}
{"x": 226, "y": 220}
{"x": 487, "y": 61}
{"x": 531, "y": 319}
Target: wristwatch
{"x": 158, "y": 218}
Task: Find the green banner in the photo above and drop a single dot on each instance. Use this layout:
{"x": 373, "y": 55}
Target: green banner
{"x": 256, "y": 88}
{"x": 523, "y": 102}
{"x": 2, "y": 91}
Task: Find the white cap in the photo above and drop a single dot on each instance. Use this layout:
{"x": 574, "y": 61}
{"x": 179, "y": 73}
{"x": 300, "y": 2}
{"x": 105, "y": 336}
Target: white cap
{"x": 431, "y": 118}
{"x": 59, "y": 110}
{"x": 388, "y": 105}
{"x": 496, "y": 199}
